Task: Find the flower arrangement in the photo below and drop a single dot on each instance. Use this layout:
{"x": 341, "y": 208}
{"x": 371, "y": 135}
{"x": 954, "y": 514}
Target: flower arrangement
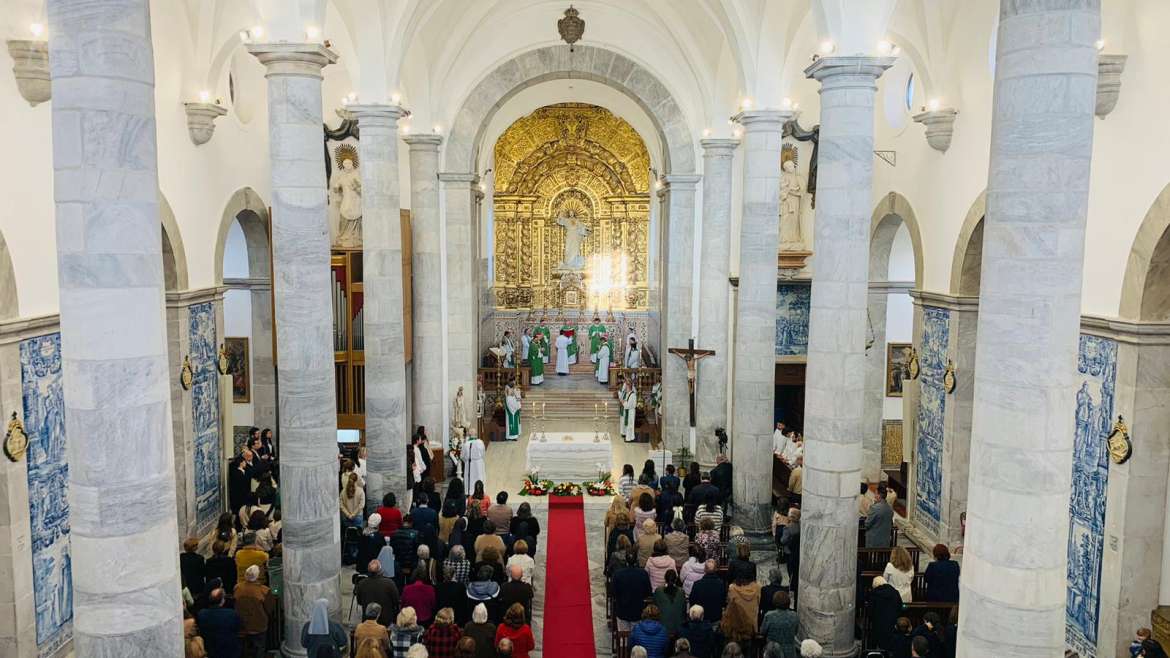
{"x": 455, "y": 444}
{"x": 601, "y": 487}
{"x": 534, "y": 486}
{"x": 566, "y": 489}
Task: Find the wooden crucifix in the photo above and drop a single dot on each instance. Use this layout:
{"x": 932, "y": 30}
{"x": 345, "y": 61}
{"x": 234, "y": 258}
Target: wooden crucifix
{"x": 691, "y": 356}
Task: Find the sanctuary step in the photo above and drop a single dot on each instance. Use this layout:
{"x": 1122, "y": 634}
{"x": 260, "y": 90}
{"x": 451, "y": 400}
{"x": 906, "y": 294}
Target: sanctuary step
{"x": 567, "y": 398}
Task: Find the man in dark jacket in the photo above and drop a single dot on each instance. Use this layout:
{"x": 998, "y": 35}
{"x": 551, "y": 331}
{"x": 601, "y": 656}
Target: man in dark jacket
{"x": 879, "y": 523}
{"x": 703, "y": 635}
{"x": 192, "y": 567}
{"x": 518, "y": 591}
{"x": 698, "y": 494}
{"x": 721, "y": 479}
{"x": 239, "y": 483}
{"x": 885, "y": 605}
{"x": 378, "y": 588}
{"x": 404, "y": 542}
{"x": 631, "y": 586}
{"x": 710, "y": 591}
{"x": 220, "y": 628}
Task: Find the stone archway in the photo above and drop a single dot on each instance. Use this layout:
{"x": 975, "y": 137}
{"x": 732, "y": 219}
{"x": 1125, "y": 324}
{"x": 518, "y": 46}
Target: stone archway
{"x": 890, "y": 215}
{"x": 462, "y": 154}
{"x": 9, "y": 300}
{"x": 174, "y": 254}
{"x": 966, "y": 266}
{"x": 246, "y": 207}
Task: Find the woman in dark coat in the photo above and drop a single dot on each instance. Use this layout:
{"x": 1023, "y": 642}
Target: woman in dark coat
{"x": 885, "y": 606}
{"x": 942, "y": 577}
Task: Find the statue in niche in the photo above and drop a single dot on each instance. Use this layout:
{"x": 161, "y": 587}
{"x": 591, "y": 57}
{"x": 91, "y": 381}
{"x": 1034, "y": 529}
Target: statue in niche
{"x": 791, "y": 200}
{"x": 575, "y": 233}
{"x": 345, "y": 197}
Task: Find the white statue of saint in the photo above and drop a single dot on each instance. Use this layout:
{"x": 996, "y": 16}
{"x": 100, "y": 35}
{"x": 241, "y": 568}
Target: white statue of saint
{"x": 459, "y": 411}
{"x": 345, "y": 196}
{"x": 575, "y": 232}
{"x": 791, "y": 198}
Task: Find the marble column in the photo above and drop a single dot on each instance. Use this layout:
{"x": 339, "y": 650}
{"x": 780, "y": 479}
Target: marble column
{"x": 835, "y": 384}
{"x": 304, "y": 332}
{"x": 875, "y": 378}
{"x": 427, "y": 364}
{"x": 677, "y": 195}
{"x": 1014, "y": 579}
{"x": 754, "y": 387}
{"x": 123, "y": 529}
{"x": 461, "y": 196}
{"x": 386, "y": 418}
{"x": 714, "y": 294}
{"x": 263, "y": 365}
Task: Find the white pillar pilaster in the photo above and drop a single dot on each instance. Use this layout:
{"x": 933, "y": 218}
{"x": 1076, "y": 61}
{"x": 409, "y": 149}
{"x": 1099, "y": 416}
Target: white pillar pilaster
{"x": 304, "y": 332}
{"x": 385, "y": 373}
{"x": 835, "y": 385}
{"x": 1015, "y": 558}
{"x": 677, "y": 196}
{"x": 122, "y": 514}
{"x": 427, "y": 364}
{"x": 461, "y": 201}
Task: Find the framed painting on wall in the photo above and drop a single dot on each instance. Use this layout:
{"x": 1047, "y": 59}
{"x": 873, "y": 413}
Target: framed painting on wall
{"x": 897, "y": 357}
{"x": 237, "y": 354}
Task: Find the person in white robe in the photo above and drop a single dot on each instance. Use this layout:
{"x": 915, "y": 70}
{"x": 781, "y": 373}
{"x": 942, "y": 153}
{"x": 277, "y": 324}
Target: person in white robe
{"x": 473, "y": 454}
{"x": 563, "y": 354}
{"x": 633, "y": 355}
{"x": 779, "y": 440}
{"x": 512, "y": 411}
{"x": 629, "y": 401}
{"x": 509, "y": 350}
{"x": 525, "y": 343}
{"x": 794, "y": 448}
{"x": 603, "y": 361}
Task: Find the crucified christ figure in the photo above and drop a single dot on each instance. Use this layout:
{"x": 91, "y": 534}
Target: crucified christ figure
{"x": 691, "y": 356}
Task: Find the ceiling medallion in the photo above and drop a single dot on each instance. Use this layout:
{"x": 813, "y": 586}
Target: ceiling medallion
{"x": 571, "y": 27}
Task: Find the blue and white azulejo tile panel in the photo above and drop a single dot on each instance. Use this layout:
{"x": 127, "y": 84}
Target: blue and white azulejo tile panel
{"x": 205, "y": 408}
{"x": 43, "y": 399}
{"x": 792, "y": 311}
{"x": 932, "y": 400}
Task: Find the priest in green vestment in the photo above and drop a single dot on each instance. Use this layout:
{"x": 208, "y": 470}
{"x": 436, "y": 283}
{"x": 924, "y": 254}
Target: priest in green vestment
{"x": 512, "y": 411}
{"x": 596, "y": 330}
{"x": 537, "y": 353}
{"x": 542, "y": 330}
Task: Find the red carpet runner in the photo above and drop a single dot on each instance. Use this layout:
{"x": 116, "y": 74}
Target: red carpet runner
{"x": 568, "y": 605}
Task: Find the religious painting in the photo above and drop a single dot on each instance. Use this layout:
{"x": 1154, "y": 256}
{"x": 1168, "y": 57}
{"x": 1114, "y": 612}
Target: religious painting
{"x": 897, "y": 358}
{"x": 205, "y": 413}
{"x": 43, "y": 402}
{"x": 1096, "y": 383}
{"x": 892, "y": 444}
{"x": 792, "y": 313}
{"x": 238, "y": 365}
{"x": 932, "y": 398}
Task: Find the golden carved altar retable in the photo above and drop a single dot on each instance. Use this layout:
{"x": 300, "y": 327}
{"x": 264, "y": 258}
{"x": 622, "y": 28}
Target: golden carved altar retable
{"x": 578, "y": 164}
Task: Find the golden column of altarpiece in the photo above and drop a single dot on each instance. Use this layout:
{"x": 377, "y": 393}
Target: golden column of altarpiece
{"x": 571, "y": 167}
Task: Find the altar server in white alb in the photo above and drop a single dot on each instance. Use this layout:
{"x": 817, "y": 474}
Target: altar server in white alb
{"x": 473, "y": 468}
{"x": 633, "y": 354}
{"x": 512, "y": 410}
{"x": 562, "y": 346}
{"x": 629, "y": 400}
{"x": 509, "y": 350}
{"x": 525, "y": 343}
{"x": 602, "y": 357}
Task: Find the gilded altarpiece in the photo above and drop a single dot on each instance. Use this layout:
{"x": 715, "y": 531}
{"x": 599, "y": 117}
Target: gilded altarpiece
{"x": 571, "y": 167}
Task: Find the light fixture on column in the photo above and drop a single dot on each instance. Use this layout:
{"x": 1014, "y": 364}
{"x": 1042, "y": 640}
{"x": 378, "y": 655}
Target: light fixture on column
{"x": 1109, "y": 70}
{"x": 30, "y": 65}
{"x": 312, "y": 33}
{"x": 887, "y": 48}
{"x": 827, "y": 47}
{"x": 201, "y": 118}
{"x": 940, "y": 124}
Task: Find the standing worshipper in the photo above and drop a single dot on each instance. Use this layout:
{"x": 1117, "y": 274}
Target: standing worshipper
{"x": 596, "y": 338}
{"x": 562, "y": 346}
{"x": 601, "y": 357}
{"x": 320, "y": 632}
{"x": 473, "y": 454}
{"x": 633, "y": 355}
{"x": 509, "y": 350}
{"x": 512, "y": 410}
{"x": 629, "y": 401}
{"x": 537, "y": 356}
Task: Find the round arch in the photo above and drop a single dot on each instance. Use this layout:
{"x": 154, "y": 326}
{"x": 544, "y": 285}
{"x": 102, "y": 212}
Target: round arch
{"x": 552, "y": 63}
{"x": 246, "y": 206}
{"x": 967, "y": 261}
{"x": 174, "y": 254}
{"x": 9, "y": 301}
{"x": 1150, "y": 253}
{"x": 892, "y": 211}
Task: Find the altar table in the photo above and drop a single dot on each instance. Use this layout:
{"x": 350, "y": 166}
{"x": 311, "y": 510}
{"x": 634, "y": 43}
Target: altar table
{"x": 577, "y": 459}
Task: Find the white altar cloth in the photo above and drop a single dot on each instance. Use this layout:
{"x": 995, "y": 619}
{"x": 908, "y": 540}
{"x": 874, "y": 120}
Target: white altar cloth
{"x": 574, "y": 460}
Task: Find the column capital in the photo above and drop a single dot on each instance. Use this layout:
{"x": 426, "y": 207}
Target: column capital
{"x": 294, "y": 59}
{"x": 458, "y": 177}
{"x": 849, "y": 71}
{"x": 717, "y": 147}
{"x": 378, "y": 113}
{"x": 759, "y": 120}
{"x": 423, "y": 142}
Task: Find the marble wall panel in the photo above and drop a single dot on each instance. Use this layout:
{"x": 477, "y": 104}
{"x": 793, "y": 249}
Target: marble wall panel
{"x": 1097, "y": 381}
{"x": 792, "y": 312}
{"x": 205, "y": 410}
{"x": 48, "y": 485}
